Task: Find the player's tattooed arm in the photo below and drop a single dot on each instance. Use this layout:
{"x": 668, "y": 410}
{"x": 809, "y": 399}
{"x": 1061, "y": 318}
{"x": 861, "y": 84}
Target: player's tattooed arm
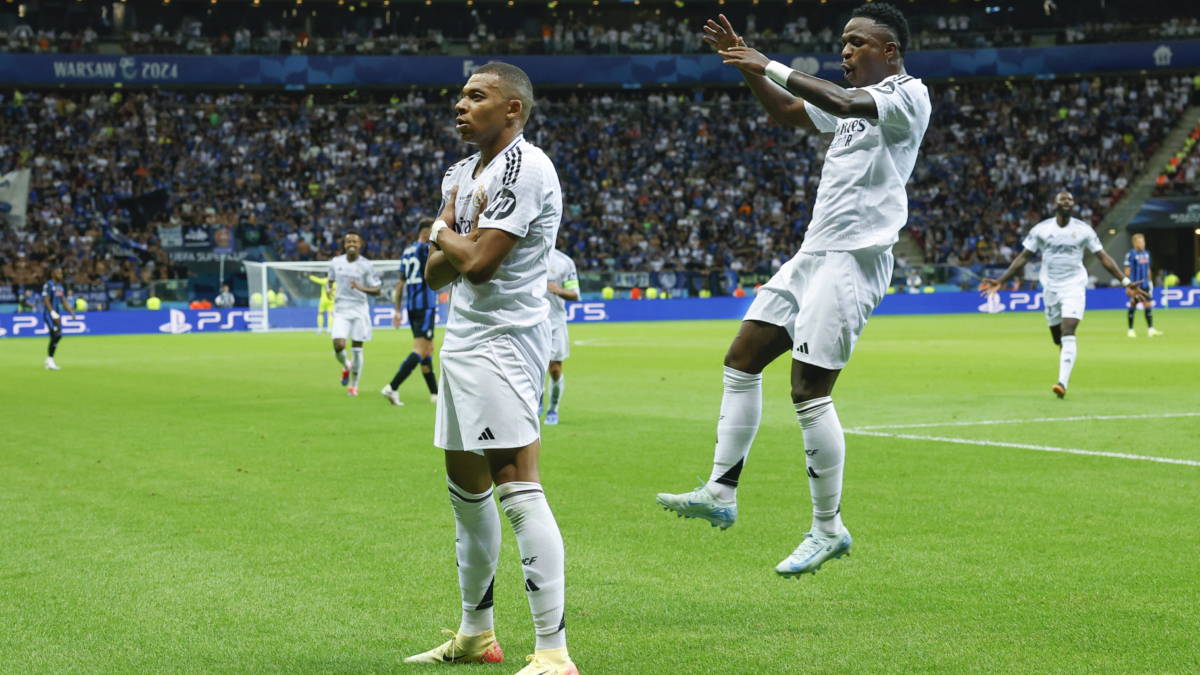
{"x": 991, "y": 286}
{"x": 785, "y": 109}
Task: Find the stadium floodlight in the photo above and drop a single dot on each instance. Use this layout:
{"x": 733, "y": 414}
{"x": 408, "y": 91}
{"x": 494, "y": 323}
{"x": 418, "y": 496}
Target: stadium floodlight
{"x": 288, "y": 294}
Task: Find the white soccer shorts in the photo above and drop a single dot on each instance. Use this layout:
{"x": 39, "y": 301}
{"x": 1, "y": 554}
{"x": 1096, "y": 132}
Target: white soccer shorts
{"x": 560, "y": 341}
{"x": 824, "y": 301}
{"x": 488, "y": 397}
{"x": 1064, "y": 305}
{"x": 351, "y": 325}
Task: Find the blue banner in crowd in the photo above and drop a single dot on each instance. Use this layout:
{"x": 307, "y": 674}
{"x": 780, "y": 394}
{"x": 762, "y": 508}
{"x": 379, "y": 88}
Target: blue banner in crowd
{"x": 636, "y": 70}
{"x": 178, "y": 321}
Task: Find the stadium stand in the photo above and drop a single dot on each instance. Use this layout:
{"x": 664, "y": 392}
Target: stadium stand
{"x": 653, "y": 182}
{"x": 535, "y": 28}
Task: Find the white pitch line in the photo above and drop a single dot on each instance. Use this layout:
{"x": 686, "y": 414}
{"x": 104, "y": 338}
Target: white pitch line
{"x": 1025, "y": 446}
{"x": 1081, "y": 418}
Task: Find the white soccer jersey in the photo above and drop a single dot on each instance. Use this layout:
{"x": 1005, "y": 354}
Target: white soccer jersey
{"x": 342, "y": 271}
{"x": 861, "y": 200}
{"x": 1062, "y": 252}
{"x": 563, "y": 273}
{"x": 524, "y": 199}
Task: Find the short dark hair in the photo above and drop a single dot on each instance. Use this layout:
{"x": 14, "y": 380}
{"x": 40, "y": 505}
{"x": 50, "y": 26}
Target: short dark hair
{"x": 351, "y": 231}
{"x": 424, "y": 224}
{"x": 515, "y": 82}
{"x": 887, "y": 15}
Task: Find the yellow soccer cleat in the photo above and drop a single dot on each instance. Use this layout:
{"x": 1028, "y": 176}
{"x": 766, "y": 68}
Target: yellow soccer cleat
{"x": 1154, "y": 332}
{"x": 481, "y": 648}
{"x": 549, "y": 662}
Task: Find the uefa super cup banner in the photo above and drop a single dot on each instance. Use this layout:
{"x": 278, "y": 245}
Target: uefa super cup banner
{"x": 299, "y": 72}
{"x": 181, "y": 321}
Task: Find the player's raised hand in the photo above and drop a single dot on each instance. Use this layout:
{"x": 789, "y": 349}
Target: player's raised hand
{"x": 745, "y": 58}
{"x": 989, "y": 287}
{"x": 721, "y": 35}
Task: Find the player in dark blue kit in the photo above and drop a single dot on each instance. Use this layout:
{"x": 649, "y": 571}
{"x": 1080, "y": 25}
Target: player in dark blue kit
{"x": 1137, "y": 268}
{"x": 414, "y": 295}
{"x": 54, "y": 295}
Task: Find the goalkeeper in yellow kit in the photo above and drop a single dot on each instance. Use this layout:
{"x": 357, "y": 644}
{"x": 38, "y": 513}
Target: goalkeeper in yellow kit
{"x": 325, "y": 309}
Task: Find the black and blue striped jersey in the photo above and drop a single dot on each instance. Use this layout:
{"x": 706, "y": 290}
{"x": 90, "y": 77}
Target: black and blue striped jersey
{"x": 1138, "y": 263}
{"x": 418, "y": 294}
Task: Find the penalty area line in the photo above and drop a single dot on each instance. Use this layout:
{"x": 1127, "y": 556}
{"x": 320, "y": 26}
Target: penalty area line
{"x": 1024, "y": 446}
{"x": 1078, "y": 418}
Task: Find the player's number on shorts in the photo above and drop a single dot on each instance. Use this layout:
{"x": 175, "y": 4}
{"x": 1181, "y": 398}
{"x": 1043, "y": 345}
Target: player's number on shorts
{"x": 412, "y": 271}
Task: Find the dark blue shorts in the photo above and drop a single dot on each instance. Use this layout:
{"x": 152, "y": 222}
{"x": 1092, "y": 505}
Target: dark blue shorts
{"x": 422, "y": 322}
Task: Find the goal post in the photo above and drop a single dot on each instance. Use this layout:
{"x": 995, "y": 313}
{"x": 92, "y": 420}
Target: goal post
{"x": 288, "y": 294}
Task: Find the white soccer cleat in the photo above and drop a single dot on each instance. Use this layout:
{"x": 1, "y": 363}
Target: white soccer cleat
{"x": 481, "y": 648}
{"x": 1154, "y": 332}
{"x": 816, "y": 549}
{"x": 1133, "y": 333}
{"x": 701, "y": 503}
{"x": 391, "y": 394}
{"x": 549, "y": 662}
{"x": 50, "y": 364}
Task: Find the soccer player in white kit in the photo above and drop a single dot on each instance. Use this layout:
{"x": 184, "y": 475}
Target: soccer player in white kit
{"x": 818, "y": 303}
{"x": 492, "y": 245}
{"x": 1061, "y": 241}
{"x": 350, "y": 280}
{"x": 563, "y": 287}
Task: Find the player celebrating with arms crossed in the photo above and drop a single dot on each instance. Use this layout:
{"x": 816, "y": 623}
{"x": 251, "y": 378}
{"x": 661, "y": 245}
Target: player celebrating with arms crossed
{"x": 492, "y": 243}
{"x": 1064, "y": 279}
{"x": 351, "y": 311}
{"x": 817, "y": 305}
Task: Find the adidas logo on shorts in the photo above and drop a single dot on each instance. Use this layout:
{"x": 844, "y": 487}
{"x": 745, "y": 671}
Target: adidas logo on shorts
{"x": 487, "y": 435}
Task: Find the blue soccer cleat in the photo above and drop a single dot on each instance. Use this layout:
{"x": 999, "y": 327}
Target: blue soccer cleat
{"x": 814, "y": 551}
{"x": 552, "y": 418}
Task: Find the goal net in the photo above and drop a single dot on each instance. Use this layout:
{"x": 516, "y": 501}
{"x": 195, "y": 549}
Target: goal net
{"x": 288, "y": 294}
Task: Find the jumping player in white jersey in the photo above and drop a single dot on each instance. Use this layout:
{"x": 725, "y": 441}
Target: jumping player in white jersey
{"x": 818, "y": 303}
{"x": 492, "y": 243}
{"x": 350, "y": 280}
{"x": 564, "y": 286}
{"x": 1061, "y": 241}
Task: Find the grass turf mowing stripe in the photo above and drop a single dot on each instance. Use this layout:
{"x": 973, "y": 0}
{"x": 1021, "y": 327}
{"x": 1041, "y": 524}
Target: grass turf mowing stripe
{"x": 1078, "y": 418}
{"x": 1024, "y": 446}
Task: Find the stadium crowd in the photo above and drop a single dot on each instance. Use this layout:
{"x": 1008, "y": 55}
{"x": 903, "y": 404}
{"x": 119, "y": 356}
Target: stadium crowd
{"x": 652, "y": 182}
{"x": 534, "y": 28}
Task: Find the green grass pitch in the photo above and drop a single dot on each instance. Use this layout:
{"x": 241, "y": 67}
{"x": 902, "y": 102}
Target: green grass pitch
{"x": 216, "y": 504}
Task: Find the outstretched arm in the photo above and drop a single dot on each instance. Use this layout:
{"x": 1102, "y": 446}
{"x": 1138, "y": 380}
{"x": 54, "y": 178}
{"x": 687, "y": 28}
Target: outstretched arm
{"x": 993, "y": 285}
{"x": 785, "y": 109}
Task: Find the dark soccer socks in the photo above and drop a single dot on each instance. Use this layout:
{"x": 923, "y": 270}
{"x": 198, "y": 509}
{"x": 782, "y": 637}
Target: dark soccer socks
{"x": 406, "y": 369}
{"x": 430, "y": 378}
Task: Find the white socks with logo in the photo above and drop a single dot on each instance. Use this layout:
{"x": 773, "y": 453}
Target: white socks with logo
{"x": 741, "y": 413}
{"x": 541, "y": 546}
{"x": 356, "y": 365}
{"x": 825, "y": 455}
{"x": 1066, "y": 360}
{"x": 477, "y": 533}
{"x": 556, "y": 392}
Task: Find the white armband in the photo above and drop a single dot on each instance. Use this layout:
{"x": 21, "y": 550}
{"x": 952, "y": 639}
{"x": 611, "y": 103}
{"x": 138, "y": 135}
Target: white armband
{"x": 779, "y": 73}
{"x": 438, "y": 226}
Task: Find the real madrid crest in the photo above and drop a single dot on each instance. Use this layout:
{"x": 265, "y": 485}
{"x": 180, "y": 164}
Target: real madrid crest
{"x": 477, "y": 198}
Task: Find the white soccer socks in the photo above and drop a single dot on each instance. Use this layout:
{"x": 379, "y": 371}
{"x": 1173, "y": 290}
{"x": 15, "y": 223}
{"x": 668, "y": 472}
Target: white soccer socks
{"x": 343, "y": 358}
{"x": 825, "y": 455}
{"x": 477, "y": 533}
{"x": 741, "y": 413}
{"x": 542, "y": 555}
{"x": 1066, "y": 359}
{"x": 556, "y": 392}
{"x": 356, "y": 365}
